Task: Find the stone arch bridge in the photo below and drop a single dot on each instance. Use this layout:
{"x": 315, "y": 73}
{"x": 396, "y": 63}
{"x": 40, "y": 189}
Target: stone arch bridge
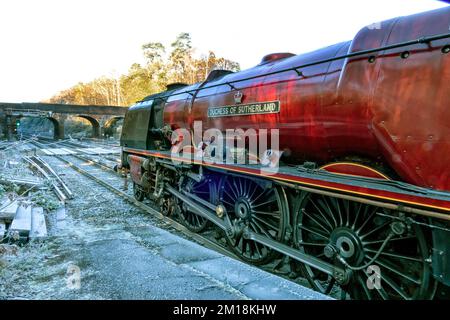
{"x": 100, "y": 117}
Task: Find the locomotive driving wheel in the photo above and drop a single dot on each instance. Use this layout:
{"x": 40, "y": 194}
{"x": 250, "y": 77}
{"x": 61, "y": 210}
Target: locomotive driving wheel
{"x": 205, "y": 189}
{"x": 386, "y": 255}
{"x": 138, "y": 192}
{"x": 259, "y": 206}
{"x": 167, "y": 205}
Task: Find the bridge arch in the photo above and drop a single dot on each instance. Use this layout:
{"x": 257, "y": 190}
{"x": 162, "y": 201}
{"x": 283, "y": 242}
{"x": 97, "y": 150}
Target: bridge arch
{"x": 94, "y": 123}
{"x": 58, "y": 127}
{"x": 58, "y": 131}
{"x": 108, "y": 127}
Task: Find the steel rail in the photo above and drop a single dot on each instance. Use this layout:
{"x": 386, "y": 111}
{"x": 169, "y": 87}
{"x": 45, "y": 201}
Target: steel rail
{"x": 66, "y": 189}
{"x": 179, "y": 227}
{"x": 61, "y": 196}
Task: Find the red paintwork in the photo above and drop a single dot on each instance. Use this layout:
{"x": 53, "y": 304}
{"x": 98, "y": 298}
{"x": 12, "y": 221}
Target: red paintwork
{"x": 393, "y": 110}
{"x": 135, "y": 168}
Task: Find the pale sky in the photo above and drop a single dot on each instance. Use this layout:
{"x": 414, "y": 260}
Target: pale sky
{"x": 50, "y": 45}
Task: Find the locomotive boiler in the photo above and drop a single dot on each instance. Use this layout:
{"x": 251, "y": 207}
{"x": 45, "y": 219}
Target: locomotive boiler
{"x": 362, "y": 184}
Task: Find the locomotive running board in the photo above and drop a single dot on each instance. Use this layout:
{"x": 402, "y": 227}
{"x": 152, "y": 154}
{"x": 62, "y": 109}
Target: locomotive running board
{"x": 388, "y": 194}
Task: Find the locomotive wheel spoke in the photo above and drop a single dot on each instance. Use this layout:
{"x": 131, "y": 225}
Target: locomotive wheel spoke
{"x": 317, "y": 222}
{"x": 323, "y": 216}
{"x": 266, "y": 222}
{"x": 384, "y": 225}
{"x": 398, "y": 256}
{"x": 381, "y": 241}
{"x": 314, "y": 232}
{"x": 363, "y": 285}
{"x": 205, "y": 190}
{"x": 327, "y": 209}
{"x": 264, "y": 203}
{"x": 383, "y": 294}
{"x": 367, "y": 221}
{"x": 358, "y": 235}
{"x": 394, "y": 286}
{"x": 260, "y": 208}
{"x": 272, "y": 214}
{"x": 394, "y": 270}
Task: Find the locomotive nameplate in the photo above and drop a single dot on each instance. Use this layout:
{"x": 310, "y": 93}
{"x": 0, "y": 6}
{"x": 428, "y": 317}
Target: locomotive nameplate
{"x": 244, "y": 109}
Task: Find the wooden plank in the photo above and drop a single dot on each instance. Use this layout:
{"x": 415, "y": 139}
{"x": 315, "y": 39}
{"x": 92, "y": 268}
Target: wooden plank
{"x": 22, "y": 221}
{"x": 8, "y": 209}
{"x": 38, "y": 225}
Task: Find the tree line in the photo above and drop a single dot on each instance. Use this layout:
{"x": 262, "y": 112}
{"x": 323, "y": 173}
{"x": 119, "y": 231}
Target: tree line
{"x": 161, "y": 68}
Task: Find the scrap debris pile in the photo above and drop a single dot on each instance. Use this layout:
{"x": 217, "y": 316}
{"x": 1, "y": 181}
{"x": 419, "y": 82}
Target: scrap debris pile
{"x": 24, "y": 194}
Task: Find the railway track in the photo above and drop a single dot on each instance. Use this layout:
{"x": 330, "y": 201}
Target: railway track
{"x": 61, "y": 189}
{"x": 207, "y": 238}
{"x": 146, "y": 208}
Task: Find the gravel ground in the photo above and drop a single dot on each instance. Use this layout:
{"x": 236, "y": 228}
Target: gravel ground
{"x": 121, "y": 253}
{"x": 98, "y": 223}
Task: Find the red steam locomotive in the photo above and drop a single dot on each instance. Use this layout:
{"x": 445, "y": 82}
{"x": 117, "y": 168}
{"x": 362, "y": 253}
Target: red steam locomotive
{"x": 362, "y": 186}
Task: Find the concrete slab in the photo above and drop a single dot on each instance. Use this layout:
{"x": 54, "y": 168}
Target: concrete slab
{"x": 22, "y": 221}
{"x": 228, "y": 270}
{"x": 60, "y": 217}
{"x": 127, "y": 271}
{"x": 8, "y": 209}
{"x": 247, "y": 280}
{"x": 276, "y": 288}
{"x": 183, "y": 253}
{"x": 253, "y": 282}
{"x": 38, "y": 225}
{"x": 2, "y": 229}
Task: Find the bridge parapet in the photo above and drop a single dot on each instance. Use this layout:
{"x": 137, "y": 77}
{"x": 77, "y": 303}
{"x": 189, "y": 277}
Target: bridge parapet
{"x": 67, "y": 108}
{"x": 28, "y": 113}
{"x": 100, "y": 117}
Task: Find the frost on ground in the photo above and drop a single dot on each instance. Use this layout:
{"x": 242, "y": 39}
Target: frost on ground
{"x": 48, "y": 269}
{"x": 41, "y": 270}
